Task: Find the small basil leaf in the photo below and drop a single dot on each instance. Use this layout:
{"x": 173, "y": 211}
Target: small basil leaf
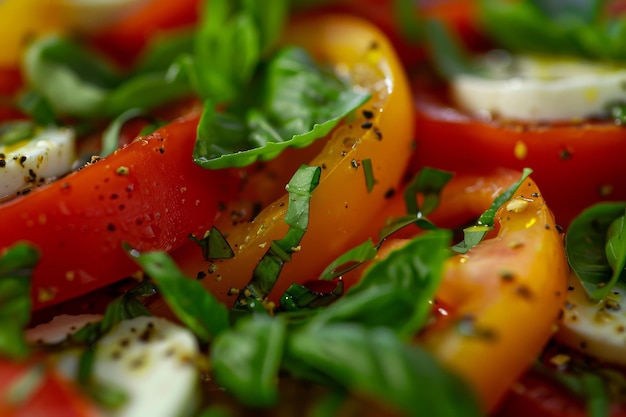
{"x": 191, "y": 303}
{"x": 473, "y": 235}
{"x": 16, "y": 266}
{"x": 374, "y": 362}
{"x": 214, "y": 245}
{"x": 582, "y": 10}
{"x": 586, "y": 247}
{"x": 246, "y": 359}
{"x": 298, "y": 297}
{"x": 53, "y": 78}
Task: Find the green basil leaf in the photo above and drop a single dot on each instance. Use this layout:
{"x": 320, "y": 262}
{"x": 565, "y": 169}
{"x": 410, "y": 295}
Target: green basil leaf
{"x": 266, "y": 273}
{"x": 246, "y": 359}
{"x": 587, "y": 246}
{"x": 147, "y": 91}
{"x": 54, "y": 66}
{"x": 403, "y": 284}
{"x": 193, "y": 305}
{"x": 300, "y": 103}
{"x": 555, "y": 27}
{"x": 16, "y": 266}
{"x": 374, "y": 362}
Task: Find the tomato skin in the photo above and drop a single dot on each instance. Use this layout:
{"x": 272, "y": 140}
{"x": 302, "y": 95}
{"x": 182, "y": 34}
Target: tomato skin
{"x": 575, "y": 165}
{"x": 149, "y": 194}
{"x": 125, "y": 39}
{"x": 56, "y": 397}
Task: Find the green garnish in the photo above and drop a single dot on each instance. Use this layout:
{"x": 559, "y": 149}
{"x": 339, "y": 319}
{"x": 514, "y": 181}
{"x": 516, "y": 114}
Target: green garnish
{"x": 16, "y": 132}
{"x": 374, "y": 362}
{"x": 596, "y": 247}
{"x": 555, "y": 27}
{"x": 368, "y": 171}
{"x": 214, "y": 245}
{"x": 195, "y": 307}
{"x": 295, "y": 103}
{"x": 16, "y": 268}
{"x": 247, "y": 358}
{"x": 473, "y": 235}
{"x": 266, "y": 273}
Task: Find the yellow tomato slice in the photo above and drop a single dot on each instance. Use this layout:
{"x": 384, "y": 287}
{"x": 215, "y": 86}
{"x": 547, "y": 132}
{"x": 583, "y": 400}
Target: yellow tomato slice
{"x": 341, "y": 207}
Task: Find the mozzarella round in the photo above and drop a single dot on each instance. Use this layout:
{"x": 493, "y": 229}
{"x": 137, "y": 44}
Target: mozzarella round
{"x": 91, "y": 15}
{"x": 29, "y": 163}
{"x": 536, "y": 89}
{"x": 596, "y": 328}
{"x": 154, "y": 362}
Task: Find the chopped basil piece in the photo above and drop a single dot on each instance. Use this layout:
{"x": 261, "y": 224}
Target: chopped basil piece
{"x": 246, "y": 359}
{"x": 429, "y": 183}
{"x": 374, "y": 362}
{"x": 298, "y": 297}
{"x": 368, "y": 171}
{"x": 214, "y": 245}
{"x": 193, "y": 305}
{"x": 266, "y": 273}
{"x": 16, "y": 268}
{"x": 473, "y": 235}
{"x": 596, "y": 249}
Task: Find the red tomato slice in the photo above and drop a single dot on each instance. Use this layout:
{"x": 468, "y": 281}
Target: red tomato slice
{"x": 575, "y": 164}
{"x": 54, "y": 397}
{"x": 149, "y": 194}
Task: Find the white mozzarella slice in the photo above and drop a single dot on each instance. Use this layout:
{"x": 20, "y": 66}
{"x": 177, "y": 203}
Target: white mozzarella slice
{"x": 535, "y": 89}
{"x": 153, "y": 361}
{"x": 596, "y": 328}
{"x": 91, "y": 15}
{"x": 29, "y": 163}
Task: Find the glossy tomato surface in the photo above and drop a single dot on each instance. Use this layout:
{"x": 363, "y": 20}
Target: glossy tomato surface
{"x": 575, "y": 164}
